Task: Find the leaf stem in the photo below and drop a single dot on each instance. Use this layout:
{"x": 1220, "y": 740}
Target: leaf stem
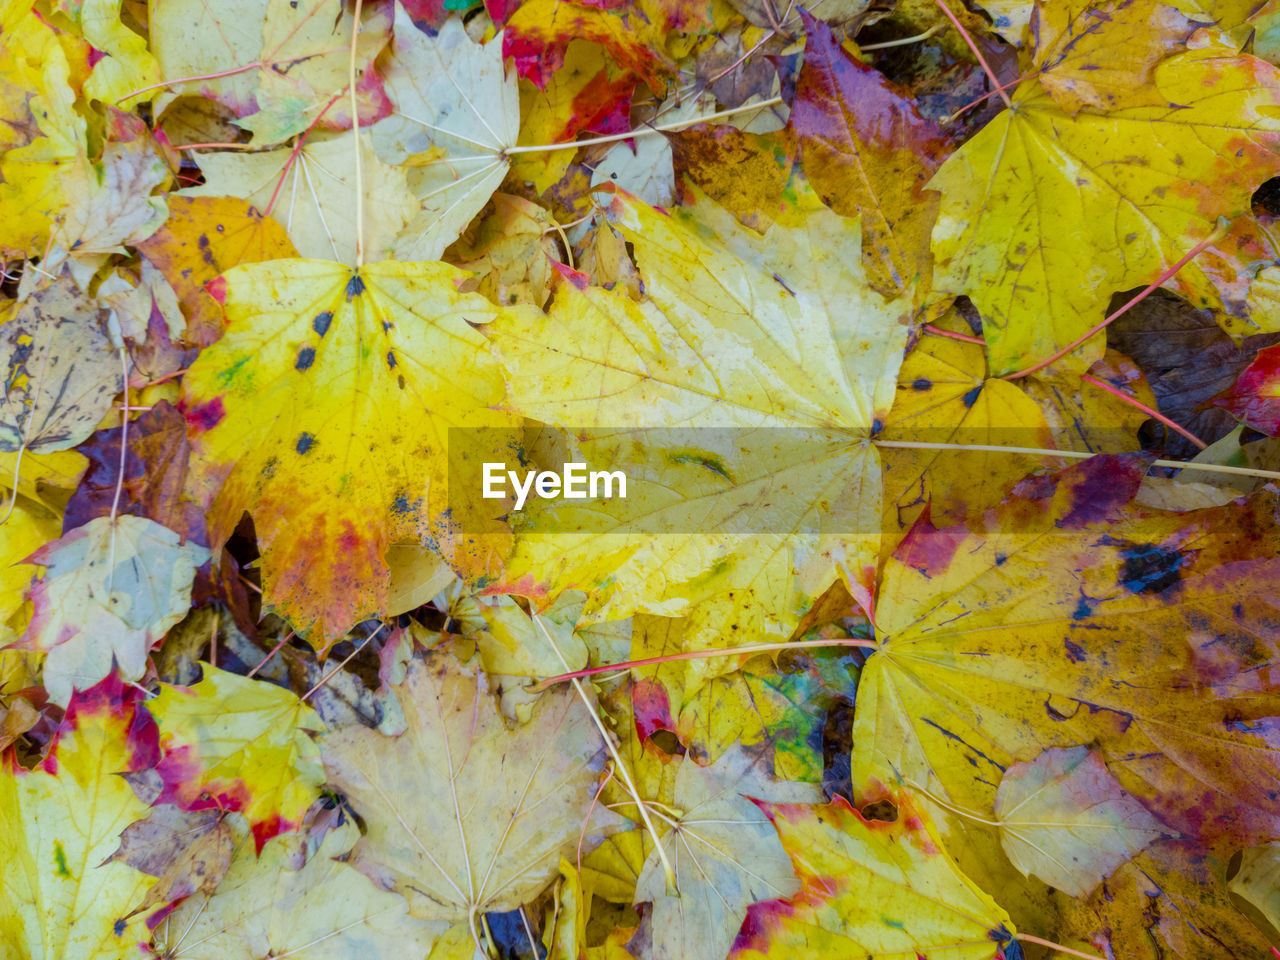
{"x": 1074, "y": 454}
{"x": 1138, "y": 404}
{"x": 619, "y": 766}
{"x": 329, "y": 676}
{"x": 697, "y": 655}
{"x": 355, "y": 130}
{"x": 224, "y": 73}
{"x": 951, "y": 335}
{"x": 1221, "y": 231}
{"x": 1100, "y": 384}
{"x": 904, "y": 41}
{"x": 267, "y": 659}
{"x": 1028, "y": 938}
{"x": 124, "y": 460}
{"x": 642, "y": 131}
{"x": 982, "y": 61}
{"x": 293, "y": 156}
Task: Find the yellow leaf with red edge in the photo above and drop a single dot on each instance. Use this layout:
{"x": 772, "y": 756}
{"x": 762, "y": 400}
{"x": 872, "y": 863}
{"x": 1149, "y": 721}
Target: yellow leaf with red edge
{"x": 872, "y": 889}
{"x": 239, "y": 744}
{"x": 323, "y": 412}
{"x": 1139, "y": 181}
{"x": 61, "y": 821}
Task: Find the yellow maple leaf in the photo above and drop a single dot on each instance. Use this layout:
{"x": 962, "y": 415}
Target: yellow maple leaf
{"x": 977, "y": 670}
{"x": 324, "y": 412}
{"x": 873, "y": 889}
{"x": 771, "y": 345}
{"x": 1141, "y": 178}
{"x": 244, "y": 742}
{"x": 59, "y": 823}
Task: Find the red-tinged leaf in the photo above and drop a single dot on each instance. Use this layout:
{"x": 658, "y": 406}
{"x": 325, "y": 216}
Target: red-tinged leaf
{"x": 1254, "y": 398}
{"x": 155, "y": 473}
{"x": 238, "y": 744}
{"x": 867, "y": 151}
{"x": 873, "y": 889}
{"x": 61, "y": 820}
{"x": 539, "y": 32}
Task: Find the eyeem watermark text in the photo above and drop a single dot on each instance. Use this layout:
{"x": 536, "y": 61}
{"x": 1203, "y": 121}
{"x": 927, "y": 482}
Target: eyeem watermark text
{"x": 574, "y": 482}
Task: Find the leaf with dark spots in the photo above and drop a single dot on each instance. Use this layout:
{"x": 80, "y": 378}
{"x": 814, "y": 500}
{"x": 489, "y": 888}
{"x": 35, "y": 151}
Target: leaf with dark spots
{"x": 203, "y": 237}
{"x": 1149, "y": 568}
{"x": 58, "y": 369}
{"x": 747, "y": 173}
{"x": 320, "y": 482}
{"x": 987, "y": 660}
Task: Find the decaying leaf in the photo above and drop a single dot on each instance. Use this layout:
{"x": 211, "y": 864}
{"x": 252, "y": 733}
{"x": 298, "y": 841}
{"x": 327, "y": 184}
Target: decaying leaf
{"x": 726, "y": 855}
{"x": 1066, "y": 819}
{"x": 60, "y": 369}
{"x": 976, "y": 671}
{"x": 326, "y": 910}
{"x": 872, "y": 889}
{"x": 188, "y": 851}
{"x": 110, "y": 591}
{"x": 514, "y": 799}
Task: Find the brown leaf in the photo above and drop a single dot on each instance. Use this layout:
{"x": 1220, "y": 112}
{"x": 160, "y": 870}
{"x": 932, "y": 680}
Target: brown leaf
{"x": 187, "y": 850}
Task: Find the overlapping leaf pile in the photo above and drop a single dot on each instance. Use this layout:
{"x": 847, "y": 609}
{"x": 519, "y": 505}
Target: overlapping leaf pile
{"x": 903, "y": 642}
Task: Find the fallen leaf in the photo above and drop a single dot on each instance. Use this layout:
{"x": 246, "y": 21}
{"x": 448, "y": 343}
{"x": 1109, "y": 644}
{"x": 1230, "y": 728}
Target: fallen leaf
{"x": 238, "y": 744}
{"x": 203, "y": 238}
{"x": 513, "y": 802}
{"x": 740, "y": 332}
{"x": 308, "y": 191}
{"x": 325, "y": 910}
{"x": 61, "y": 821}
{"x": 725, "y": 852}
{"x": 872, "y": 889}
{"x": 332, "y": 391}
{"x": 60, "y": 369}
{"x": 975, "y": 672}
{"x": 1170, "y": 900}
{"x": 110, "y": 591}
{"x": 867, "y": 151}
{"x": 1254, "y": 399}
{"x": 1039, "y": 288}
{"x": 1066, "y": 819}
{"x": 188, "y": 851}
{"x": 456, "y": 114}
